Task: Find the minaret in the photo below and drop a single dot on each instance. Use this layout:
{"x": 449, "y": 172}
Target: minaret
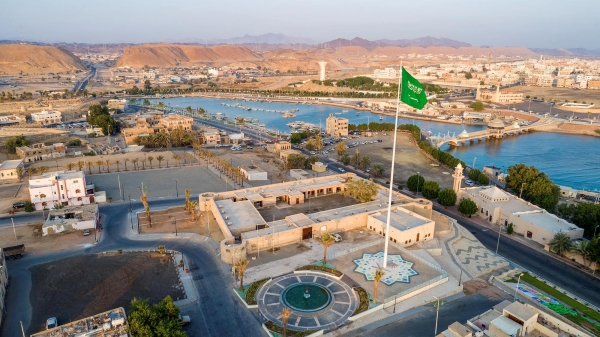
{"x": 458, "y": 177}
{"x": 497, "y": 100}
{"x": 478, "y": 95}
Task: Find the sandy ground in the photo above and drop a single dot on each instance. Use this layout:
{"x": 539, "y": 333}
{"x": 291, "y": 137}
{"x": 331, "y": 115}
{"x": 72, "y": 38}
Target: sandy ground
{"x": 35, "y": 243}
{"x": 484, "y": 288}
{"x": 560, "y": 93}
{"x": 164, "y": 221}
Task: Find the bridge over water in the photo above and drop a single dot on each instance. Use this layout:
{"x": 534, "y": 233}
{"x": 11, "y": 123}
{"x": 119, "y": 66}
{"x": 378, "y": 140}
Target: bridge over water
{"x": 496, "y": 129}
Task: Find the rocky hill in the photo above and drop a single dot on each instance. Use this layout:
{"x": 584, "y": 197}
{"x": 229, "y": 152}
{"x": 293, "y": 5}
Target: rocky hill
{"x": 33, "y": 59}
{"x": 171, "y": 55}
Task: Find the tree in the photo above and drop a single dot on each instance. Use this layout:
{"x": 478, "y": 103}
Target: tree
{"x": 537, "y": 187}
{"x": 415, "y": 183}
{"x": 108, "y": 165}
{"x": 468, "y": 76}
{"x": 192, "y": 208}
{"x": 70, "y": 166}
{"x": 89, "y": 164}
{"x": 20, "y": 171}
{"x": 311, "y": 160}
{"x": 326, "y": 240}
{"x": 144, "y": 200}
{"x": 585, "y": 249}
{"x": 467, "y": 207}
{"x": 377, "y": 171}
{"x": 296, "y": 138}
{"x": 187, "y": 199}
{"x": 355, "y": 159}
{"x": 431, "y": 189}
{"x": 360, "y": 189}
{"x": 345, "y": 159}
{"x": 99, "y": 164}
{"x": 561, "y": 244}
{"x": 510, "y": 229}
{"x": 17, "y": 141}
{"x": 135, "y": 162}
{"x": 447, "y": 197}
{"x": 477, "y": 106}
{"x": 159, "y": 320}
{"x": 379, "y": 273}
{"x": 99, "y": 116}
{"x": 365, "y": 162}
{"x": 160, "y": 159}
{"x": 341, "y": 149}
{"x": 118, "y": 162}
{"x": 43, "y": 169}
{"x": 479, "y": 177}
{"x": 296, "y": 161}
{"x": 29, "y": 207}
{"x": 150, "y": 159}
{"x": 285, "y": 315}
{"x": 240, "y": 266}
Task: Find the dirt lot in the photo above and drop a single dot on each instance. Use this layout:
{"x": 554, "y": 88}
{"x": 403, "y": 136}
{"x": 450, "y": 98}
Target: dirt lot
{"x": 482, "y": 287}
{"x": 163, "y": 221}
{"x": 80, "y": 286}
{"x": 559, "y": 93}
{"x": 35, "y": 243}
{"x": 409, "y": 158}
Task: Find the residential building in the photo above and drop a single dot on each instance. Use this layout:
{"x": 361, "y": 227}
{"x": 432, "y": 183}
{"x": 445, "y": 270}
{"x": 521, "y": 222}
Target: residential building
{"x": 39, "y": 151}
{"x": 498, "y": 96}
{"x": 71, "y": 218}
{"x": 237, "y": 214}
{"x": 210, "y": 137}
{"x": 106, "y": 324}
{"x": 515, "y": 319}
{"x": 253, "y": 173}
{"x": 388, "y": 72}
{"x": 284, "y": 154}
{"x": 46, "y": 117}
{"x": 545, "y": 81}
{"x": 11, "y": 120}
{"x": 9, "y": 168}
{"x": 153, "y": 122}
{"x": 336, "y": 127}
{"x": 66, "y": 188}
{"x": 319, "y": 167}
{"x": 3, "y": 283}
{"x": 117, "y": 104}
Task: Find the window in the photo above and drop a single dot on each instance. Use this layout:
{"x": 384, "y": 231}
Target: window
{"x": 75, "y": 181}
{"x": 77, "y": 191}
{"x": 62, "y": 187}
{"x": 79, "y": 199}
{"x": 42, "y": 196}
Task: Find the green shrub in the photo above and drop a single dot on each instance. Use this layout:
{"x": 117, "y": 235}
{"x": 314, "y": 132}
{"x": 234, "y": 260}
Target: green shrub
{"x": 29, "y": 207}
{"x": 447, "y": 197}
{"x": 363, "y": 301}
{"x": 252, "y": 290}
{"x": 431, "y": 189}
{"x": 323, "y": 269}
{"x": 467, "y": 207}
{"x": 510, "y": 229}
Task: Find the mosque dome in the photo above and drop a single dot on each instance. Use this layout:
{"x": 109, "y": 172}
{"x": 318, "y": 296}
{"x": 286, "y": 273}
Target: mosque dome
{"x": 463, "y": 134}
{"x": 495, "y": 124}
{"x": 516, "y": 125}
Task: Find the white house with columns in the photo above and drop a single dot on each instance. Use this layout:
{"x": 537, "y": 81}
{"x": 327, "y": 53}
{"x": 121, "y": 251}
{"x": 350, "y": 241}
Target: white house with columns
{"x": 67, "y": 188}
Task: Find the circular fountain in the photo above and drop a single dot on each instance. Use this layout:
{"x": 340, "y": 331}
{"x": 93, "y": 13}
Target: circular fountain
{"x": 306, "y": 297}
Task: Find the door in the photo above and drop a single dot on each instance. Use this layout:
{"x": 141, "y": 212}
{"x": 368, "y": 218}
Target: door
{"x": 306, "y": 233}
{"x": 529, "y": 234}
{"x": 418, "y": 234}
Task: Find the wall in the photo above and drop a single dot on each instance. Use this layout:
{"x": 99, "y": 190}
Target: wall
{"x": 293, "y": 235}
{"x": 405, "y": 237}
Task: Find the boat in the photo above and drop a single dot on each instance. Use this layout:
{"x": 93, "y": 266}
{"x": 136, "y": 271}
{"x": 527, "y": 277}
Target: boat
{"x": 380, "y": 118}
{"x": 247, "y": 119}
{"x": 358, "y": 113}
{"x": 345, "y": 110}
{"x": 288, "y": 115}
{"x": 338, "y": 113}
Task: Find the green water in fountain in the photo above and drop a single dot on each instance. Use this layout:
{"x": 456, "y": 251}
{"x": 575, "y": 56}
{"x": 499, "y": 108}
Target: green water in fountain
{"x": 295, "y": 298}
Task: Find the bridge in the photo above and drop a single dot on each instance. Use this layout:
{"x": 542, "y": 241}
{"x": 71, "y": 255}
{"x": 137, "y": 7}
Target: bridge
{"x": 496, "y": 129}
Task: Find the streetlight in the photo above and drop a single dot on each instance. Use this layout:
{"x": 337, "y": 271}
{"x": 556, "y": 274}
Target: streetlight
{"x": 175, "y": 221}
{"x": 13, "y": 224}
{"x": 498, "y": 243}
{"x": 176, "y": 190}
{"x": 437, "y": 313}
{"x": 122, "y": 192}
{"x": 518, "y": 282}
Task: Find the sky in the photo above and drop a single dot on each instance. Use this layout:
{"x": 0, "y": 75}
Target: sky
{"x": 522, "y": 23}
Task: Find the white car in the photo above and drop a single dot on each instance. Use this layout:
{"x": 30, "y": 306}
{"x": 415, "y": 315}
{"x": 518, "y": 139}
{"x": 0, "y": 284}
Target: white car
{"x": 51, "y": 323}
{"x": 336, "y": 237}
{"x": 469, "y": 182}
{"x": 341, "y": 169}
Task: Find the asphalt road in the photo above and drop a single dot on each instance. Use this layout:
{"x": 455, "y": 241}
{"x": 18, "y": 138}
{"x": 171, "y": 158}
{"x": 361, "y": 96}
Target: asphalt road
{"x": 220, "y": 311}
{"x": 421, "y": 322}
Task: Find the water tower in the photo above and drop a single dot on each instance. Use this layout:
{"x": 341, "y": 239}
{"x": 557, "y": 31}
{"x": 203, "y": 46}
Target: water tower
{"x": 322, "y": 65}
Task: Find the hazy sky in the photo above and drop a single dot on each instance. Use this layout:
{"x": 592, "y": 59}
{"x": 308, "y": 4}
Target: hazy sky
{"x": 529, "y": 23}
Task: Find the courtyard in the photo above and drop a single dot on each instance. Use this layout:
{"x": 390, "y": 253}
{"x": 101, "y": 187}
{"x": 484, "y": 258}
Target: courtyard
{"x": 310, "y": 205}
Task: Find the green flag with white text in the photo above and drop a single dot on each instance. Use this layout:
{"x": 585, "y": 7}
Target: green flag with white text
{"x": 412, "y": 92}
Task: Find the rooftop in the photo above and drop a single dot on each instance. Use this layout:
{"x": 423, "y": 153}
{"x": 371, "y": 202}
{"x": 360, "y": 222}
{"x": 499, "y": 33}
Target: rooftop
{"x": 11, "y": 164}
{"x": 107, "y": 324}
{"x": 548, "y": 221}
{"x": 240, "y": 214}
{"x": 506, "y": 325}
{"x": 520, "y": 311}
{"x": 71, "y": 214}
{"x": 401, "y": 218}
{"x": 41, "y": 180}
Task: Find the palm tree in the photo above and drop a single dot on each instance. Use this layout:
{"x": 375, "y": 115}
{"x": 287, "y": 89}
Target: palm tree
{"x": 160, "y": 159}
{"x": 377, "y": 171}
{"x": 80, "y": 164}
{"x": 126, "y": 160}
{"x": 561, "y": 244}
{"x": 378, "y": 276}
{"x": 20, "y": 172}
{"x": 70, "y": 166}
{"x": 89, "y": 165}
{"x": 30, "y": 172}
{"x": 135, "y": 164}
{"x": 187, "y": 199}
{"x": 176, "y": 158}
{"x": 118, "y": 162}
{"x": 585, "y": 249}
{"x": 365, "y": 162}
{"x": 326, "y": 240}
{"x": 193, "y": 205}
{"x": 99, "y": 164}
{"x": 108, "y": 165}
{"x": 150, "y": 159}
{"x": 241, "y": 268}
{"x": 355, "y": 160}
{"x": 43, "y": 169}
{"x": 285, "y": 315}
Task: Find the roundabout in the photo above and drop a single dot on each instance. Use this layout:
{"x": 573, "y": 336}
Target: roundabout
{"x": 317, "y": 300}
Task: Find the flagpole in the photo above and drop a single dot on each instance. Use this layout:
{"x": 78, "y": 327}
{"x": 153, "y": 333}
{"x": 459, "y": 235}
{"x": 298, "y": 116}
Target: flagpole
{"x": 389, "y": 208}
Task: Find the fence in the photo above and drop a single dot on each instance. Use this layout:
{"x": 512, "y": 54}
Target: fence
{"x": 404, "y": 294}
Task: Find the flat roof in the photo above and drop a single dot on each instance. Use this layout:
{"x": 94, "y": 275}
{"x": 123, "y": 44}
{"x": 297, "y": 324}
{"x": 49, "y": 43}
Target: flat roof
{"x": 11, "y": 164}
{"x": 548, "y": 221}
{"x": 277, "y": 226}
{"x": 242, "y": 214}
{"x": 106, "y": 324}
{"x": 401, "y": 218}
{"x": 520, "y": 310}
{"x": 506, "y": 325}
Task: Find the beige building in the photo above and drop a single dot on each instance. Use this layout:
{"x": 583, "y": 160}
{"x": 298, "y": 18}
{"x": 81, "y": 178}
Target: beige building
{"x": 238, "y": 215}
{"x": 39, "y": 151}
{"x": 336, "y": 127}
{"x": 46, "y": 117}
{"x": 117, "y": 104}
{"x": 284, "y": 154}
{"x": 153, "y": 122}
{"x": 210, "y": 137}
{"x": 8, "y": 169}
{"x": 498, "y": 96}
{"x": 106, "y": 324}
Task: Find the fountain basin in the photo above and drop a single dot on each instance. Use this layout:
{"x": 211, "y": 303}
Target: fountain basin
{"x": 295, "y": 297}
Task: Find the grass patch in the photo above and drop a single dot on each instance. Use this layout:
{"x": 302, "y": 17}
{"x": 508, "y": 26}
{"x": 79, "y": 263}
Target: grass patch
{"x": 249, "y": 296}
{"x": 279, "y": 330}
{"x": 591, "y": 313}
{"x": 325, "y": 269}
{"x": 363, "y": 301}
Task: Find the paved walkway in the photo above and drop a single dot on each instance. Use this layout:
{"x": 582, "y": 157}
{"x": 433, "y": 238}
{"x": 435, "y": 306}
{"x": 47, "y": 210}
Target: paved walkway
{"x": 473, "y": 256}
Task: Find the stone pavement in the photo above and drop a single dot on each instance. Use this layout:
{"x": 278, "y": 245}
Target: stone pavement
{"x": 473, "y": 256}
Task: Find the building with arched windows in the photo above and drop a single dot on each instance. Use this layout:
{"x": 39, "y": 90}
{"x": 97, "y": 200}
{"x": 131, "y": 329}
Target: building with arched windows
{"x": 65, "y": 188}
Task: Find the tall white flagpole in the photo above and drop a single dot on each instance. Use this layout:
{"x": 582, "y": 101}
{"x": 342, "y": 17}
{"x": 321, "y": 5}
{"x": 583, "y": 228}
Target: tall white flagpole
{"x": 389, "y": 209}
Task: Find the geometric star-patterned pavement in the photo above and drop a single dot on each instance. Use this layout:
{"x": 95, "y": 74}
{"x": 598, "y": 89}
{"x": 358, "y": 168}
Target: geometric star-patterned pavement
{"x": 397, "y": 270}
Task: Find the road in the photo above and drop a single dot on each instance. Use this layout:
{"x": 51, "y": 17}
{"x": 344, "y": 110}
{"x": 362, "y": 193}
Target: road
{"x": 421, "y": 322}
{"x": 81, "y": 84}
{"x": 220, "y": 311}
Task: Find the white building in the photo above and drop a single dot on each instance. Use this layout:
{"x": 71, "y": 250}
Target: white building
{"x": 254, "y": 173}
{"x": 46, "y": 117}
{"x": 8, "y": 169}
{"x": 388, "y": 72}
{"x": 11, "y": 119}
{"x": 58, "y": 188}
{"x": 71, "y": 218}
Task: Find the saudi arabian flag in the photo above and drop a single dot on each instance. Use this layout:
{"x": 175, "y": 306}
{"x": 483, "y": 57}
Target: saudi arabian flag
{"x": 413, "y": 93}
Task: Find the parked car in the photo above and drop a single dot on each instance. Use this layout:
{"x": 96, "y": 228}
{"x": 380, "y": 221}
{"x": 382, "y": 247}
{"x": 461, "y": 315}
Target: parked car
{"x": 51, "y": 323}
{"x": 19, "y": 204}
{"x": 469, "y": 182}
{"x": 86, "y": 232}
{"x": 336, "y": 237}
{"x": 184, "y": 320}
{"x": 341, "y": 169}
